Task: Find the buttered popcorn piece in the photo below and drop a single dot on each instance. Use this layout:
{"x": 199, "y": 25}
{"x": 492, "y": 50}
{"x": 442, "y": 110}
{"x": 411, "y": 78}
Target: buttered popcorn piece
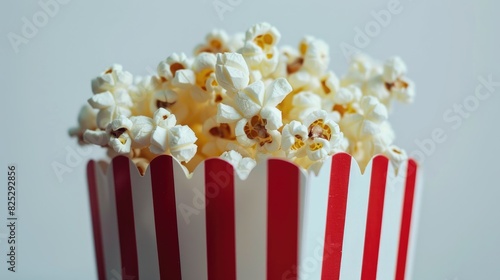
{"x": 361, "y": 69}
{"x": 112, "y": 79}
{"x": 216, "y": 41}
{"x": 365, "y": 123}
{"x": 111, "y": 95}
{"x": 170, "y": 138}
{"x": 199, "y": 80}
{"x": 242, "y": 165}
{"x": 219, "y": 135}
{"x": 175, "y": 62}
{"x": 324, "y": 135}
{"x": 86, "y": 120}
{"x": 255, "y": 114}
{"x": 232, "y": 72}
{"x": 396, "y": 155}
{"x": 316, "y": 55}
{"x": 304, "y": 103}
{"x": 308, "y": 69}
{"x": 344, "y": 100}
{"x": 181, "y": 141}
{"x": 400, "y": 87}
{"x": 394, "y": 68}
{"x": 317, "y": 138}
{"x": 293, "y": 141}
{"x": 259, "y": 50}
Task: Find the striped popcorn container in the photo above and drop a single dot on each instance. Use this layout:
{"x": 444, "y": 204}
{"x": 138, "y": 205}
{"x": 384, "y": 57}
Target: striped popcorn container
{"x": 278, "y": 224}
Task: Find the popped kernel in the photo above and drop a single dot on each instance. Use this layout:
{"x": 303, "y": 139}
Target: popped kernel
{"x": 232, "y": 72}
{"x": 168, "y": 68}
{"x": 218, "y": 135}
{"x": 216, "y": 41}
{"x": 260, "y": 50}
{"x": 304, "y": 103}
{"x": 242, "y": 165}
{"x": 293, "y": 141}
{"x": 366, "y": 122}
{"x": 199, "y": 80}
{"x": 86, "y": 120}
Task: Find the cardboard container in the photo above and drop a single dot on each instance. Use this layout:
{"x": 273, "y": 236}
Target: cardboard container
{"x": 278, "y": 224}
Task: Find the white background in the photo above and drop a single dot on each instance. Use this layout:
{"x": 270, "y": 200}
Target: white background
{"x": 446, "y": 44}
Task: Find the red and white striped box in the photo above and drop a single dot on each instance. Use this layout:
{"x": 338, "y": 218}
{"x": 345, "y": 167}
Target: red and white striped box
{"x": 278, "y": 224}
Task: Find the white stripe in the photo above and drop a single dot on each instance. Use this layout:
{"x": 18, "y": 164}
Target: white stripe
{"x": 355, "y": 222}
{"x": 251, "y": 224}
{"x": 391, "y": 222}
{"x": 109, "y": 223}
{"x": 303, "y": 177}
{"x": 142, "y": 197}
{"x": 415, "y": 220}
{"x": 190, "y": 200}
{"x": 314, "y": 223}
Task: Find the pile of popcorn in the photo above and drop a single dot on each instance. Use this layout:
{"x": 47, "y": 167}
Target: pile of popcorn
{"x": 244, "y": 99}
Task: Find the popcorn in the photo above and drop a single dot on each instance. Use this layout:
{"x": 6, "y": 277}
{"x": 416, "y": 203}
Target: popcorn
{"x": 316, "y": 55}
{"x": 181, "y": 141}
{"x": 242, "y": 165}
{"x": 260, "y": 50}
{"x": 168, "y": 68}
{"x": 111, "y": 94}
{"x": 113, "y": 79}
{"x": 217, "y": 41}
{"x": 219, "y": 136}
{"x": 121, "y": 143}
{"x": 141, "y": 93}
{"x": 330, "y": 83}
{"x": 96, "y": 137}
{"x": 86, "y": 120}
{"x": 396, "y": 155}
{"x": 293, "y": 140}
{"x": 324, "y": 133}
{"x": 169, "y": 138}
{"x": 361, "y": 69}
{"x": 110, "y": 105}
{"x": 363, "y": 124}
{"x": 232, "y": 72}
{"x": 141, "y": 130}
{"x": 394, "y": 69}
{"x": 255, "y": 113}
{"x": 244, "y": 99}
{"x": 317, "y": 138}
{"x": 403, "y": 90}
{"x": 392, "y": 84}
{"x": 344, "y": 100}
{"x": 304, "y": 103}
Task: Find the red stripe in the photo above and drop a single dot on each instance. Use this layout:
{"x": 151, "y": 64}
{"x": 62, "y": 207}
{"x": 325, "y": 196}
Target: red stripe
{"x": 282, "y": 218}
{"x": 167, "y": 239}
{"x": 335, "y": 217}
{"x": 374, "y": 217}
{"x": 96, "y": 220}
{"x": 125, "y": 215}
{"x": 220, "y": 223}
{"x": 406, "y": 219}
